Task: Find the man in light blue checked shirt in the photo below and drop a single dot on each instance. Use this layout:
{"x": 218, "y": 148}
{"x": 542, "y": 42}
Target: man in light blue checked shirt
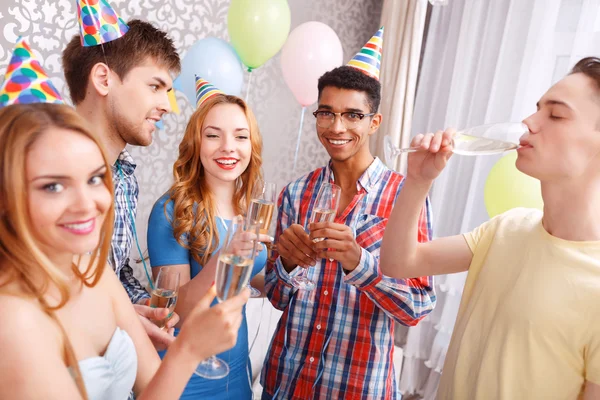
{"x": 122, "y": 88}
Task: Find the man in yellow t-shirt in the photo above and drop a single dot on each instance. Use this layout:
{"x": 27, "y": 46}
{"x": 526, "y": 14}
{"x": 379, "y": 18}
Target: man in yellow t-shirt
{"x": 529, "y": 320}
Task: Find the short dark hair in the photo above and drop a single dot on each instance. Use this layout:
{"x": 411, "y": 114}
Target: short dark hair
{"x": 142, "y": 40}
{"x": 590, "y": 67}
{"x": 346, "y": 77}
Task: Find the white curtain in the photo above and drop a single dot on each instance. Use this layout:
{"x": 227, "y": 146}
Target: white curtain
{"x": 404, "y": 22}
{"x": 262, "y": 322}
{"x": 484, "y": 62}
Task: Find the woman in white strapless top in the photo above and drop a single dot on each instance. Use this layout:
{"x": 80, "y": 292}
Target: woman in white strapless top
{"x": 68, "y": 329}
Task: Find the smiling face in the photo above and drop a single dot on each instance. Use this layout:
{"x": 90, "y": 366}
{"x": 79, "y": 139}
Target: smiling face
{"x": 347, "y": 143}
{"x": 563, "y": 142}
{"x": 226, "y": 147}
{"x": 67, "y": 197}
{"x": 139, "y": 101}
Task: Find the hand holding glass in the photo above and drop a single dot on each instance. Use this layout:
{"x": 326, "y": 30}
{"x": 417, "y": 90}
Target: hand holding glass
{"x": 234, "y": 268}
{"x": 324, "y": 210}
{"x": 164, "y": 294}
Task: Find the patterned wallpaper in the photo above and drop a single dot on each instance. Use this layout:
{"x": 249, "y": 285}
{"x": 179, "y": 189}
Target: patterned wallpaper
{"x": 49, "y": 24}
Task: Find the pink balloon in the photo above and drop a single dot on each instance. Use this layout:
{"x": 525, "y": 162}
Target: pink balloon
{"x": 311, "y": 49}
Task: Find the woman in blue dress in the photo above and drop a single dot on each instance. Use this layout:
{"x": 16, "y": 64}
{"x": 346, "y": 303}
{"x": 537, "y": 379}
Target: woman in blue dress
{"x": 219, "y": 163}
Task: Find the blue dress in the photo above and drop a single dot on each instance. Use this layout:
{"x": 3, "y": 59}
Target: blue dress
{"x": 164, "y": 249}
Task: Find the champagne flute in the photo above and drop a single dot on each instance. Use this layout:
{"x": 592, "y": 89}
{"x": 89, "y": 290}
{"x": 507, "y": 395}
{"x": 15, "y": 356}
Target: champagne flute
{"x": 324, "y": 210}
{"x": 261, "y": 208}
{"x": 476, "y": 141}
{"x": 164, "y": 294}
{"x": 234, "y": 268}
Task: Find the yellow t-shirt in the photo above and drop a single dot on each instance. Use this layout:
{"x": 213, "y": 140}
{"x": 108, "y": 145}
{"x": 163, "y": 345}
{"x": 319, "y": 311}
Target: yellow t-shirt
{"x": 528, "y": 326}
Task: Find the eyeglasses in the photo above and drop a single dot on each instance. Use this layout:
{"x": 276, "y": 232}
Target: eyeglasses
{"x": 349, "y": 118}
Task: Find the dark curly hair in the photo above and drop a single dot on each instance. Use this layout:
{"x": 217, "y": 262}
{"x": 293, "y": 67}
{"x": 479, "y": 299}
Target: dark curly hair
{"x": 350, "y": 78}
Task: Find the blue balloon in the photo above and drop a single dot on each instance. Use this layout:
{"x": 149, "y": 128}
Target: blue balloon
{"x": 216, "y": 61}
{"x": 177, "y": 84}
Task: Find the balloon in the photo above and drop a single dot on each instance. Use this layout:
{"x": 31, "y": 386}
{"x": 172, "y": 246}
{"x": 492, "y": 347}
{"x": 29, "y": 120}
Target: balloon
{"x": 506, "y": 187}
{"x": 173, "y": 102}
{"x": 214, "y": 60}
{"x": 312, "y": 49}
{"x": 257, "y": 29}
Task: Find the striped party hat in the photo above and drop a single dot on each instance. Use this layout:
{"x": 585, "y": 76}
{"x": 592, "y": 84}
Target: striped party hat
{"x": 368, "y": 59}
{"x": 204, "y": 91}
{"x": 98, "y": 22}
{"x": 25, "y": 81}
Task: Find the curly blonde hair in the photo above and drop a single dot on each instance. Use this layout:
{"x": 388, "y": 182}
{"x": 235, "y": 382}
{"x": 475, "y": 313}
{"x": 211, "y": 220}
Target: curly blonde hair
{"x": 194, "y": 208}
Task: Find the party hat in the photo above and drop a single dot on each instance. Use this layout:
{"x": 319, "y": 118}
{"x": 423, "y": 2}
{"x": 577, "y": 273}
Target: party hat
{"x": 98, "y": 22}
{"x": 25, "y": 81}
{"x": 368, "y": 59}
{"x": 204, "y": 91}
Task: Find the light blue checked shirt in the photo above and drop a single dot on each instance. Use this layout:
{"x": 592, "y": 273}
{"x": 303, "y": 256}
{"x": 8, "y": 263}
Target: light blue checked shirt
{"x": 126, "y": 191}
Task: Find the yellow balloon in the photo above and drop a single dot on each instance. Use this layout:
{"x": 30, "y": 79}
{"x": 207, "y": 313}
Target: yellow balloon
{"x": 173, "y": 102}
{"x": 506, "y": 187}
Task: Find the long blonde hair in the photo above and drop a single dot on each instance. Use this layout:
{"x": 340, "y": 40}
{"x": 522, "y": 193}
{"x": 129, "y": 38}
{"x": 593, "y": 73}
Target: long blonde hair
{"x": 194, "y": 208}
{"x": 20, "y": 255}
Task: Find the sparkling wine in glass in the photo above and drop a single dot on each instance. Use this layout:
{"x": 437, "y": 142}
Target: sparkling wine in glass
{"x": 322, "y": 215}
{"x": 164, "y": 293}
{"x": 262, "y": 204}
{"x": 477, "y": 141}
{"x": 233, "y": 274}
{"x": 234, "y": 268}
{"x": 261, "y": 209}
{"x": 324, "y": 210}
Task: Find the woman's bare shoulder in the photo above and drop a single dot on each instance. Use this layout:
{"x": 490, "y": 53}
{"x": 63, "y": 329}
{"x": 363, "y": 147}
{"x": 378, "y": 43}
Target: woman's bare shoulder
{"x": 23, "y": 315}
{"x": 27, "y": 333}
{"x": 32, "y": 351}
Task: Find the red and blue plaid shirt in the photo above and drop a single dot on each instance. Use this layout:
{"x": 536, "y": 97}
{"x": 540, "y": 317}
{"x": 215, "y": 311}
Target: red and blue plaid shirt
{"x": 337, "y": 341}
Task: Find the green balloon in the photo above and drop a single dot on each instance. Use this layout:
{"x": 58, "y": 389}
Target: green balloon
{"x": 258, "y": 29}
{"x": 506, "y": 187}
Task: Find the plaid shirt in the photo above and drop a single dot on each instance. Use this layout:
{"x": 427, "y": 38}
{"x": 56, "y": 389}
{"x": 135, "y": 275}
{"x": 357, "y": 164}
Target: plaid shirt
{"x": 337, "y": 341}
{"x": 126, "y": 193}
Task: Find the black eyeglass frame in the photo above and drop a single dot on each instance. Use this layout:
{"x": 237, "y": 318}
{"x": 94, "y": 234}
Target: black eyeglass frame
{"x": 340, "y": 114}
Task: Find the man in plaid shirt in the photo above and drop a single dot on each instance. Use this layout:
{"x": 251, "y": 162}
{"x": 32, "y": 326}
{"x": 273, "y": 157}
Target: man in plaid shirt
{"x": 121, "y": 88}
{"x": 336, "y": 341}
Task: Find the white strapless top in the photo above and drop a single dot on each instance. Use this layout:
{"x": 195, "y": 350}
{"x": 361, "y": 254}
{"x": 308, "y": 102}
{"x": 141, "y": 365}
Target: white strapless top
{"x": 111, "y": 376}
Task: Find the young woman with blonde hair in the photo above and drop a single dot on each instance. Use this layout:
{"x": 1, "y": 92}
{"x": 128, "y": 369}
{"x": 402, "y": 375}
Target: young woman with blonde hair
{"x": 69, "y": 330}
{"x": 218, "y": 166}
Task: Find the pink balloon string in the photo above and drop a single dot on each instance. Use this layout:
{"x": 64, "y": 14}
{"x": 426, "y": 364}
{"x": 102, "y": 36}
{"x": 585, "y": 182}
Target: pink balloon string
{"x": 299, "y": 136}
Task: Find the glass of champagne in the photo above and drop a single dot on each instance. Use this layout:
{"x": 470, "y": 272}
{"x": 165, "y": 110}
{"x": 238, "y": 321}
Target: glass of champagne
{"x": 476, "y": 141}
{"x": 164, "y": 293}
{"x": 234, "y": 268}
{"x": 261, "y": 209}
{"x": 324, "y": 210}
